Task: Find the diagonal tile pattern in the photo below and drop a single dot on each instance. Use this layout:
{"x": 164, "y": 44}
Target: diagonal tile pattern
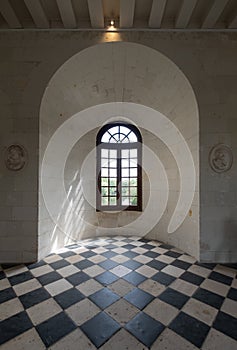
{"x": 118, "y": 293}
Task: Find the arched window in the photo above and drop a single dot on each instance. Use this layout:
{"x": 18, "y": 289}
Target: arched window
{"x": 119, "y": 156}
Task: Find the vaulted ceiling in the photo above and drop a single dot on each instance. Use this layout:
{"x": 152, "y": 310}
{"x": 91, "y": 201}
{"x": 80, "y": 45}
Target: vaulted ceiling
{"x": 127, "y": 14}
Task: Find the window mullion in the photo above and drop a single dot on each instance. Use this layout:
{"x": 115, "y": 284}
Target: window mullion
{"x": 119, "y": 189}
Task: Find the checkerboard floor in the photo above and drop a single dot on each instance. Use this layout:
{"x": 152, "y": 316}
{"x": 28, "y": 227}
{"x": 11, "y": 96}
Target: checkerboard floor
{"x": 118, "y": 293}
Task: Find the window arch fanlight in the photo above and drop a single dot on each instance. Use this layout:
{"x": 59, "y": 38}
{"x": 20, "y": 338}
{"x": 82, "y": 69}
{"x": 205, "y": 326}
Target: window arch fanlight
{"x": 119, "y": 157}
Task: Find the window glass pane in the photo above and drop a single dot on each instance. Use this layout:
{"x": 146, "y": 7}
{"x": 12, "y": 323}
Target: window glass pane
{"x": 104, "y": 172}
{"x": 125, "y": 153}
{"x": 133, "y": 163}
{"x": 125, "y": 140}
{"x": 133, "y": 200}
{"x": 125, "y": 163}
{"x": 104, "y": 181}
{"x": 113, "y": 172}
{"x": 113, "y": 153}
{"x": 112, "y": 140}
{"x": 113, "y": 181}
{"x": 105, "y": 137}
{"x": 104, "y": 191}
{"x": 112, "y": 201}
{"x": 125, "y": 201}
{"x": 133, "y": 181}
{"x": 104, "y": 153}
{"x": 132, "y": 137}
{"x": 112, "y": 191}
{"x": 104, "y": 200}
{"x": 125, "y": 191}
{"x": 114, "y": 130}
{"x": 125, "y": 182}
{"x": 104, "y": 162}
{"x": 133, "y": 172}
{"x": 133, "y": 153}
{"x": 125, "y": 172}
{"x": 124, "y": 130}
{"x": 113, "y": 163}
{"x": 133, "y": 191}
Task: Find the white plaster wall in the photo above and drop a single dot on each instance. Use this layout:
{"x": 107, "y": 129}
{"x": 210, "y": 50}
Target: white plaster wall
{"x": 119, "y": 72}
{"x": 27, "y": 62}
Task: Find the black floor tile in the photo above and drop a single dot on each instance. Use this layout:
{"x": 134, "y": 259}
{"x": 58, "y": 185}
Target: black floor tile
{"x": 134, "y": 278}
{"x": 66, "y": 254}
{"x": 55, "y": 328}
{"x": 145, "y": 240}
{"x": 106, "y": 278}
{"x": 139, "y": 298}
{"x": 145, "y": 328}
{"x": 2, "y": 275}
{"x": 132, "y": 264}
{"x": 232, "y": 294}
{"x": 166, "y": 246}
{"x": 88, "y": 254}
{"x": 20, "y": 278}
{"x": 190, "y": 328}
{"x": 181, "y": 264}
{"x": 6, "y": 295}
{"x": 206, "y": 265}
{"x": 109, "y": 255}
{"x": 37, "y": 264}
{"x": 163, "y": 278}
{"x": 158, "y": 265}
{"x": 69, "y": 297}
{"x": 226, "y": 324}
{"x": 100, "y": 328}
{"x": 209, "y": 298}
{"x": 147, "y": 246}
{"x": 192, "y": 278}
{"x": 174, "y": 298}
{"x": 152, "y": 255}
{"x": 110, "y": 246}
{"x": 78, "y": 278}
{"x": 129, "y": 246}
{"x": 108, "y": 264}
{"x": 83, "y": 264}
{"x": 59, "y": 264}
{"x": 49, "y": 278}
{"x": 35, "y": 297}
{"x": 14, "y": 326}
{"x": 173, "y": 254}
{"x": 103, "y": 298}
{"x": 130, "y": 254}
{"x": 219, "y": 277}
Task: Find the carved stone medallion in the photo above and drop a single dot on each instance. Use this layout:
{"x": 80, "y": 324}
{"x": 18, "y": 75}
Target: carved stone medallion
{"x": 15, "y": 157}
{"x": 221, "y": 158}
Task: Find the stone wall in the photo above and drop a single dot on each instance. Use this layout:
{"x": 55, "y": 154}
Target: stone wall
{"x": 28, "y": 61}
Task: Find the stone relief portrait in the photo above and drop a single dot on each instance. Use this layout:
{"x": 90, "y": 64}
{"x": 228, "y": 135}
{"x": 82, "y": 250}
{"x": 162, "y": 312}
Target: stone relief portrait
{"x": 220, "y": 158}
{"x": 15, "y": 157}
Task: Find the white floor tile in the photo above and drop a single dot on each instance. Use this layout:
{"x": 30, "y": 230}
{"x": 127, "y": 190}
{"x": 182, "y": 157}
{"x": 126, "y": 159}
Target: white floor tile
{"x": 123, "y": 340}
{"x": 43, "y": 311}
{"x": 200, "y": 311}
{"x": 58, "y": 287}
{"x": 82, "y": 311}
{"x": 122, "y": 311}
{"x": 169, "y": 340}
{"x": 161, "y": 311}
{"x": 10, "y": 308}
{"x": 26, "y": 341}
{"x": 218, "y": 341}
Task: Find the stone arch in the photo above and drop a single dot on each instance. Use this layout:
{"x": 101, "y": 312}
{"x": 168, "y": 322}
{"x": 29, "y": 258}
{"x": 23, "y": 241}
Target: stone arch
{"x": 111, "y": 81}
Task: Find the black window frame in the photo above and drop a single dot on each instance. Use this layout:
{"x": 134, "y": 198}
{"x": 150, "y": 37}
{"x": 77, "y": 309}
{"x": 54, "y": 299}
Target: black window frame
{"x": 119, "y": 147}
